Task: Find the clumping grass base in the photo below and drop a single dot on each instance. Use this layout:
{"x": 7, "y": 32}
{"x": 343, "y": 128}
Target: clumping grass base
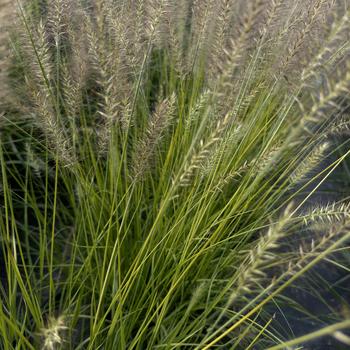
{"x": 157, "y": 161}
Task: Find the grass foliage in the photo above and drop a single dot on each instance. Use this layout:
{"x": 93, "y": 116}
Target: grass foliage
{"x": 157, "y": 165}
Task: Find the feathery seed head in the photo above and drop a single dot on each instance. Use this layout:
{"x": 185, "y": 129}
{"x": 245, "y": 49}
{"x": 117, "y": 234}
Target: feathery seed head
{"x": 313, "y": 159}
{"x": 158, "y": 122}
{"x": 52, "y": 335}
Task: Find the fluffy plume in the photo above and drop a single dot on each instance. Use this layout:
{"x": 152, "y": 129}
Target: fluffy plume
{"x": 328, "y": 52}
{"x": 221, "y": 34}
{"x": 113, "y": 80}
{"x": 58, "y": 12}
{"x": 205, "y": 148}
{"x": 329, "y": 214}
{"x": 305, "y": 28}
{"x": 339, "y": 127}
{"x": 155, "y": 11}
{"x": 41, "y": 87}
{"x": 38, "y": 54}
{"x": 197, "y": 110}
{"x": 146, "y": 147}
{"x": 256, "y": 165}
{"x": 311, "y": 161}
{"x": 52, "y": 334}
{"x": 200, "y": 23}
{"x": 175, "y": 30}
{"x": 47, "y": 119}
{"x": 257, "y": 259}
{"x": 325, "y": 102}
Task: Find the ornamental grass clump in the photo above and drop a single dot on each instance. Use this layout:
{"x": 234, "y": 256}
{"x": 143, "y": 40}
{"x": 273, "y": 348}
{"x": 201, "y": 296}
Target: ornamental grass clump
{"x": 158, "y": 164}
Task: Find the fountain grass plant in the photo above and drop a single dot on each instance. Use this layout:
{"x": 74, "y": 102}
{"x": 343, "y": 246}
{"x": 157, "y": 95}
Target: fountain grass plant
{"x": 156, "y": 164}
